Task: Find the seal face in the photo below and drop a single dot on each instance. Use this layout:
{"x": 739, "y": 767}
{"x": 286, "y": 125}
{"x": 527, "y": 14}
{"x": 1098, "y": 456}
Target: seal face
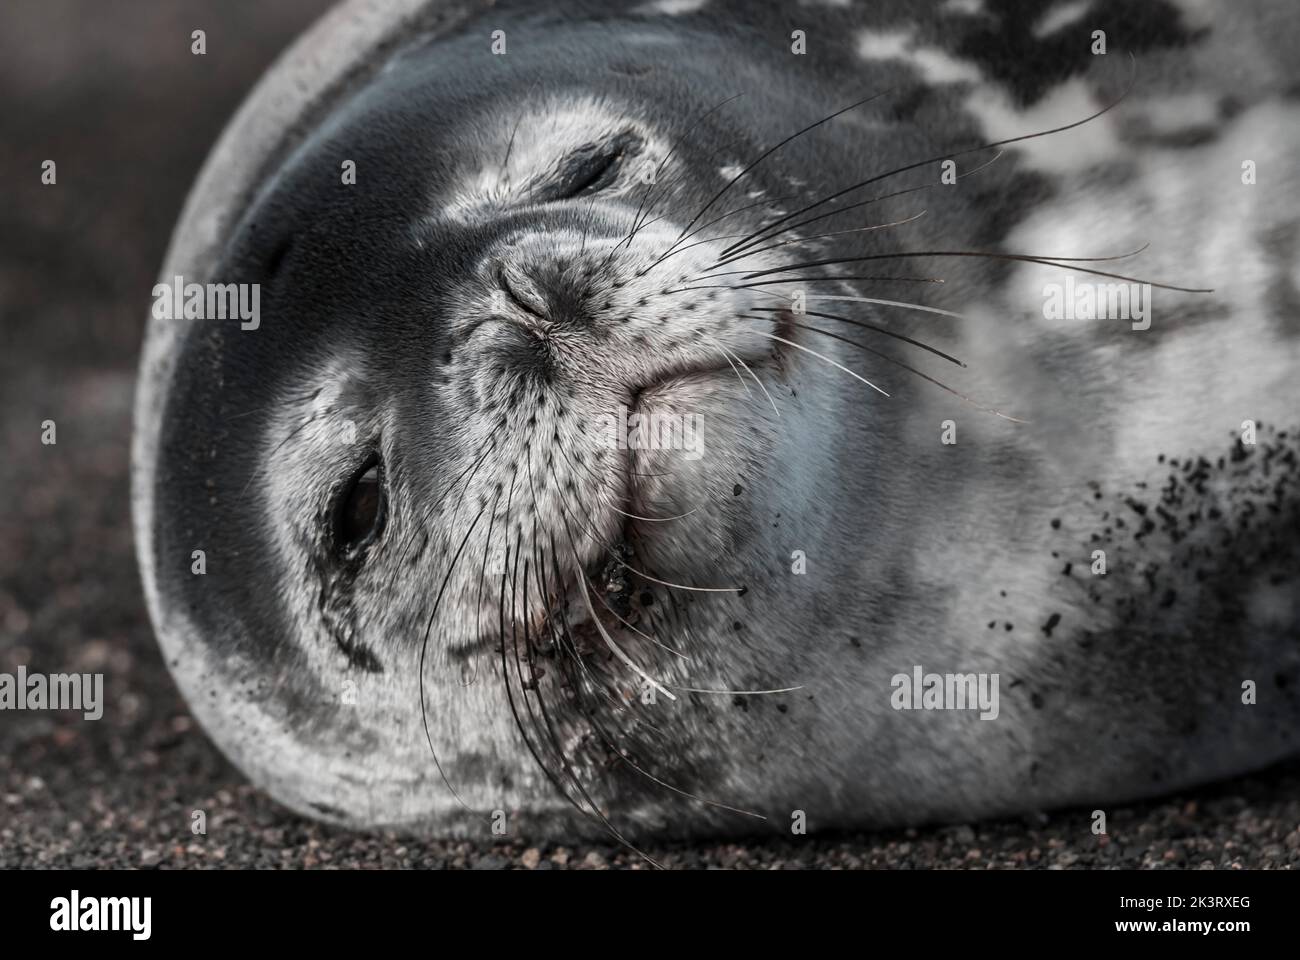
{"x": 601, "y": 454}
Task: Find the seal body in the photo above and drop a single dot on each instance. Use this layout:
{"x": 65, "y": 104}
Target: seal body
{"x": 671, "y": 418}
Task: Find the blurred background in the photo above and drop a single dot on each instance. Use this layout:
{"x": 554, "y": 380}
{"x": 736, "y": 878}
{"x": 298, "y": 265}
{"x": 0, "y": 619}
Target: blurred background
{"x": 110, "y": 91}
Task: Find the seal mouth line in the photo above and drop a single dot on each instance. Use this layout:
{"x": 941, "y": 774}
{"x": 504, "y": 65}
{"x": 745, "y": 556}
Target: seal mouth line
{"x": 663, "y": 380}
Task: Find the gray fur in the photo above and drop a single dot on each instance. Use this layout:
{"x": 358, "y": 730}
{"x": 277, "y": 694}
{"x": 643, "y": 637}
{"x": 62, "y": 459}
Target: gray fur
{"x": 380, "y": 336}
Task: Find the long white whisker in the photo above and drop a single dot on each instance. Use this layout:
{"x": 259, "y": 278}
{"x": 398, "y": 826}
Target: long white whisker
{"x": 741, "y": 361}
{"x": 891, "y": 303}
{"x": 737, "y": 693}
{"x": 609, "y": 641}
{"x": 791, "y": 343}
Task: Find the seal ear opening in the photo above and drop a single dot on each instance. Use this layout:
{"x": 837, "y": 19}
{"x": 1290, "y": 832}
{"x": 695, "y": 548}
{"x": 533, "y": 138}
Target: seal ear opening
{"x": 278, "y": 252}
{"x": 256, "y": 255}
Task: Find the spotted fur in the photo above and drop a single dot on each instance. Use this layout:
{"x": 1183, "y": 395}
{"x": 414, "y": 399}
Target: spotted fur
{"x": 456, "y": 315}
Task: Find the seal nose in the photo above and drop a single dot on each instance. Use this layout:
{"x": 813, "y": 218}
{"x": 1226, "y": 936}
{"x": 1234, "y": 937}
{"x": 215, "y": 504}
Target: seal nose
{"x": 545, "y": 297}
{"x": 521, "y": 292}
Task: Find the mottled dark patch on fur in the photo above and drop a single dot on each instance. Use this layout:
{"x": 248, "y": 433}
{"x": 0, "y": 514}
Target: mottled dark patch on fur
{"x": 1004, "y": 45}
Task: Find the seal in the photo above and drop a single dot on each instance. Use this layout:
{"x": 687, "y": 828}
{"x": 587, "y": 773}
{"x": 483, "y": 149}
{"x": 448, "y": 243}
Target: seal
{"x": 681, "y": 418}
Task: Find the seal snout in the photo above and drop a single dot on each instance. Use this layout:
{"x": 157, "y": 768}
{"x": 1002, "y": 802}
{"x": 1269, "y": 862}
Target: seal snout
{"x": 542, "y": 296}
{"x": 520, "y": 292}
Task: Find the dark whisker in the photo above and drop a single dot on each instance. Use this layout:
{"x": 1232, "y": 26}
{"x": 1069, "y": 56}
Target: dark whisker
{"x": 868, "y": 326}
{"x": 817, "y": 236}
{"x": 510, "y": 144}
{"x": 1062, "y": 262}
{"x": 510, "y": 697}
{"x": 948, "y": 156}
{"x": 637, "y": 226}
{"x": 798, "y": 280}
{"x": 663, "y": 163}
{"x": 756, "y": 238}
{"x": 901, "y": 364}
{"x": 673, "y": 249}
{"x": 767, "y": 153}
{"x": 424, "y": 647}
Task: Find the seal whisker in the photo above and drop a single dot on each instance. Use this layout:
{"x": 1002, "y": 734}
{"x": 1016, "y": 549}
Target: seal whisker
{"x": 531, "y": 685}
{"x": 819, "y": 356}
{"x": 676, "y": 586}
{"x": 613, "y": 644}
{"x": 771, "y": 150}
{"x": 599, "y": 479}
{"x": 820, "y": 236}
{"x": 614, "y": 613}
{"x": 672, "y": 150}
{"x": 603, "y": 480}
{"x": 697, "y": 243}
{"x": 673, "y": 250}
{"x": 805, "y": 280}
{"x": 482, "y": 580}
{"x": 727, "y": 356}
{"x": 674, "y": 624}
{"x": 550, "y": 775}
{"x": 634, "y": 516}
{"x": 738, "y": 693}
{"x": 420, "y": 524}
{"x": 749, "y": 370}
{"x": 756, "y": 236}
{"x": 547, "y": 727}
{"x": 959, "y": 153}
{"x": 595, "y": 619}
{"x": 637, "y": 225}
{"x": 741, "y": 360}
{"x": 908, "y": 368}
{"x": 587, "y": 221}
{"x": 505, "y": 161}
{"x": 968, "y": 253}
{"x": 892, "y": 303}
{"x": 869, "y": 326}
{"x": 1062, "y": 262}
{"x": 606, "y": 481}
{"x": 424, "y": 646}
{"x": 622, "y": 754}
{"x": 580, "y": 573}
{"x": 572, "y": 649}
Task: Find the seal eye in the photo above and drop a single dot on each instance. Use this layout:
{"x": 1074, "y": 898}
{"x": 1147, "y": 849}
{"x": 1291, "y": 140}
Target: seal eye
{"x": 592, "y": 167}
{"x": 360, "y": 514}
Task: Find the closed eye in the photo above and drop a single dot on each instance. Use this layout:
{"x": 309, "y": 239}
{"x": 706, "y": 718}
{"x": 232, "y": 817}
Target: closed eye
{"x": 590, "y": 168}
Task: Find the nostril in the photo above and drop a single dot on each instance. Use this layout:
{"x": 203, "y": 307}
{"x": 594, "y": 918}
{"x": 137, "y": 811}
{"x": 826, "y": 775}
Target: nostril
{"x": 523, "y": 299}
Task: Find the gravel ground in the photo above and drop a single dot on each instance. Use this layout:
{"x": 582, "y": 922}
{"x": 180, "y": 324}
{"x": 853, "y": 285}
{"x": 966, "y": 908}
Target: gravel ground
{"x": 110, "y": 91}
